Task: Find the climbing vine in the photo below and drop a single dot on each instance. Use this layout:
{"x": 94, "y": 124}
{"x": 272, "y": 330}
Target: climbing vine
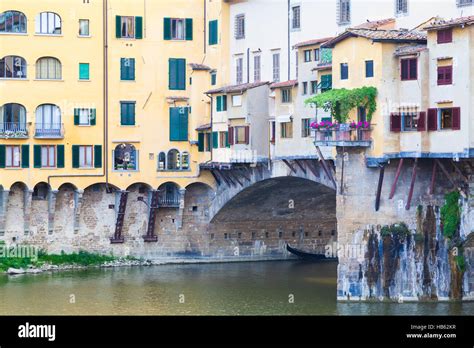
{"x": 451, "y": 214}
{"x": 401, "y": 230}
{"x": 341, "y": 101}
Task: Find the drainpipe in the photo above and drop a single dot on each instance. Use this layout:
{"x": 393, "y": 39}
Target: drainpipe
{"x": 289, "y": 51}
{"x": 205, "y": 25}
{"x": 104, "y": 126}
{"x": 248, "y": 65}
{"x": 212, "y": 115}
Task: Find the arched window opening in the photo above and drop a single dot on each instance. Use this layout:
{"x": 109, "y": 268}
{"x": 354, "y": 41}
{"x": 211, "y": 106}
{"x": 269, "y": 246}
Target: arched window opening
{"x": 48, "y": 68}
{"x": 185, "y": 160}
{"x": 125, "y": 157}
{"x": 161, "y": 161}
{"x": 169, "y": 195}
{"x": 13, "y": 67}
{"x": 13, "y": 120}
{"x": 48, "y": 120}
{"x": 48, "y": 23}
{"x": 12, "y": 22}
{"x": 174, "y": 160}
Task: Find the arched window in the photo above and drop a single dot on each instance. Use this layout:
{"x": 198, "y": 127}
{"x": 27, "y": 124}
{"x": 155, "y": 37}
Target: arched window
{"x": 185, "y": 160}
{"x": 48, "y": 120}
{"x": 169, "y": 195}
{"x": 12, "y": 118}
{"x": 125, "y": 157}
{"x": 48, "y": 23}
{"x": 161, "y": 161}
{"x": 174, "y": 160}
{"x": 12, "y": 22}
{"x": 13, "y": 67}
{"x": 48, "y": 68}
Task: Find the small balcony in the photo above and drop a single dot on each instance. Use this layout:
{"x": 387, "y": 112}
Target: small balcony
{"x": 13, "y": 130}
{"x": 169, "y": 201}
{"x": 49, "y": 131}
{"x": 343, "y": 137}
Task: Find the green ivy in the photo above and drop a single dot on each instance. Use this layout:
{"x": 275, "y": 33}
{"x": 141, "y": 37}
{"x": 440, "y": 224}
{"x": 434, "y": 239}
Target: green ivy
{"x": 461, "y": 262}
{"x": 451, "y": 214}
{"x": 341, "y": 101}
{"x": 401, "y": 230}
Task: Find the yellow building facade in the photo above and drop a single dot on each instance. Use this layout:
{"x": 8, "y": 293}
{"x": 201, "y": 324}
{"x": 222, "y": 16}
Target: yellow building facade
{"x": 94, "y": 92}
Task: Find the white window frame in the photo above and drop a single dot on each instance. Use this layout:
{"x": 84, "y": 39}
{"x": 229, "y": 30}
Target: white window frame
{"x": 43, "y": 25}
{"x": 239, "y": 26}
{"x": 296, "y": 17}
{"x": 239, "y": 70}
{"x": 84, "y": 158}
{"x": 288, "y": 98}
{"x": 81, "y": 33}
{"x": 237, "y": 100}
{"x": 12, "y": 156}
{"x": 344, "y": 12}
{"x": 257, "y": 68}
{"x": 276, "y": 66}
{"x": 401, "y": 7}
{"x": 50, "y": 160}
{"x": 85, "y": 113}
{"x": 305, "y": 127}
{"x": 129, "y": 27}
{"x": 175, "y": 35}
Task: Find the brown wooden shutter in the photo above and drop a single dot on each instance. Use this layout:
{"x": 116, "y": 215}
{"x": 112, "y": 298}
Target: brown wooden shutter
{"x": 395, "y": 122}
{"x": 432, "y": 119}
{"x": 456, "y": 118}
{"x": 247, "y": 134}
{"x": 421, "y": 121}
{"x": 231, "y": 135}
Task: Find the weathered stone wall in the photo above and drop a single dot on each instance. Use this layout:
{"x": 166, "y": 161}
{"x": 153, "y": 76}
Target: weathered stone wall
{"x": 378, "y": 266}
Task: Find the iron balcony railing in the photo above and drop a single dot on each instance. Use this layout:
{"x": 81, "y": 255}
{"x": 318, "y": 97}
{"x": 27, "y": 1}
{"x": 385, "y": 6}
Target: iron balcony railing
{"x": 343, "y": 137}
{"x": 51, "y": 130}
{"x": 171, "y": 201}
{"x": 13, "y": 130}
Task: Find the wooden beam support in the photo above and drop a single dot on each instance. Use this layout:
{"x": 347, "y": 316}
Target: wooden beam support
{"x": 450, "y": 178}
{"x": 313, "y": 168}
{"x": 325, "y": 167}
{"x": 460, "y": 173}
{"x": 397, "y": 175}
{"x": 301, "y": 166}
{"x": 412, "y": 184}
{"x": 433, "y": 178}
{"x": 224, "y": 177}
{"x": 289, "y": 166}
{"x": 216, "y": 178}
{"x": 234, "y": 175}
{"x": 243, "y": 173}
{"x": 379, "y": 188}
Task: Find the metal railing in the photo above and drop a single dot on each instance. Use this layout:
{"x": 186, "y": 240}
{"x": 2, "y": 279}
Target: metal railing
{"x": 171, "y": 201}
{"x": 13, "y": 130}
{"x": 346, "y": 135}
{"x": 52, "y": 130}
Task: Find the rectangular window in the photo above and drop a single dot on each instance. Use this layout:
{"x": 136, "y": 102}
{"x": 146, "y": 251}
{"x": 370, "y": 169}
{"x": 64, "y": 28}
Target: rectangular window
{"x": 256, "y": 68}
{"x": 213, "y": 78}
{"x": 127, "y": 26}
{"x": 213, "y": 33}
{"x": 178, "y": 29}
{"x": 286, "y": 130}
{"x": 401, "y": 7}
{"x": 326, "y": 83}
{"x": 305, "y": 88}
{"x": 445, "y": 36}
{"x": 127, "y": 113}
{"x": 344, "y": 15}
{"x": 177, "y": 74}
{"x": 221, "y": 103}
{"x": 307, "y": 56}
{"x": 236, "y": 100}
{"x": 208, "y": 144}
{"x": 272, "y": 131}
{"x": 223, "y": 139}
{"x": 410, "y": 121}
{"x": 314, "y": 87}
{"x": 460, "y": 3}
{"x": 84, "y": 27}
{"x": 241, "y": 135}
{"x": 409, "y": 69}
{"x": 317, "y": 55}
{"x": 84, "y": 117}
{"x": 369, "y": 68}
{"x": 296, "y": 63}
{"x": 286, "y": 95}
{"x": 305, "y": 128}
{"x": 344, "y": 71}
{"x": 48, "y": 156}
{"x": 179, "y": 123}
{"x": 445, "y": 75}
{"x": 86, "y": 156}
{"x": 446, "y": 118}
{"x": 12, "y": 157}
{"x": 84, "y": 71}
{"x": 127, "y": 69}
{"x": 239, "y": 70}
{"x": 296, "y": 17}
{"x": 276, "y": 67}
{"x": 239, "y": 26}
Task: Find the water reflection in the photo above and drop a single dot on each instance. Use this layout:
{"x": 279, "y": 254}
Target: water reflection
{"x": 264, "y": 288}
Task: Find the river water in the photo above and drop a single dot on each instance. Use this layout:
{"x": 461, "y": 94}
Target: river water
{"x": 248, "y": 288}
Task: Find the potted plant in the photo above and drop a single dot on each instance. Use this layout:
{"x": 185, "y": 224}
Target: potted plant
{"x": 323, "y": 130}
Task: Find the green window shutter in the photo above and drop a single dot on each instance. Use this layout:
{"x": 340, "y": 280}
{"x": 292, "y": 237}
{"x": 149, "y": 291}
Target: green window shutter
{"x": 84, "y": 71}
{"x": 93, "y": 117}
{"x": 219, "y": 103}
{"x": 118, "y": 26}
{"x": 127, "y": 69}
{"x": 213, "y": 79}
{"x": 224, "y": 103}
{"x": 131, "y": 113}
{"x": 227, "y": 144}
{"x": 189, "y": 29}
{"x": 213, "y": 35}
{"x": 76, "y": 116}
{"x": 138, "y": 27}
{"x": 201, "y": 142}
{"x": 215, "y": 140}
{"x": 173, "y": 74}
{"x": 37, "y": 156}
{"x": 75, "y": 156}
{"x": 182, "y": 74}
{"x": 123, "y": 69}
{"x": 167, "y": 29}
{"x": 131, "y": 70}
{"x": 2, "y": 156}
{"x": 60, "y": 156}
{"x": 127, "y": 114}
{"x": 174, "y": 124}
{"x": 97, "y": 156}
{"x": 183, "y": 124}
{"x": 25, "y": 156}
